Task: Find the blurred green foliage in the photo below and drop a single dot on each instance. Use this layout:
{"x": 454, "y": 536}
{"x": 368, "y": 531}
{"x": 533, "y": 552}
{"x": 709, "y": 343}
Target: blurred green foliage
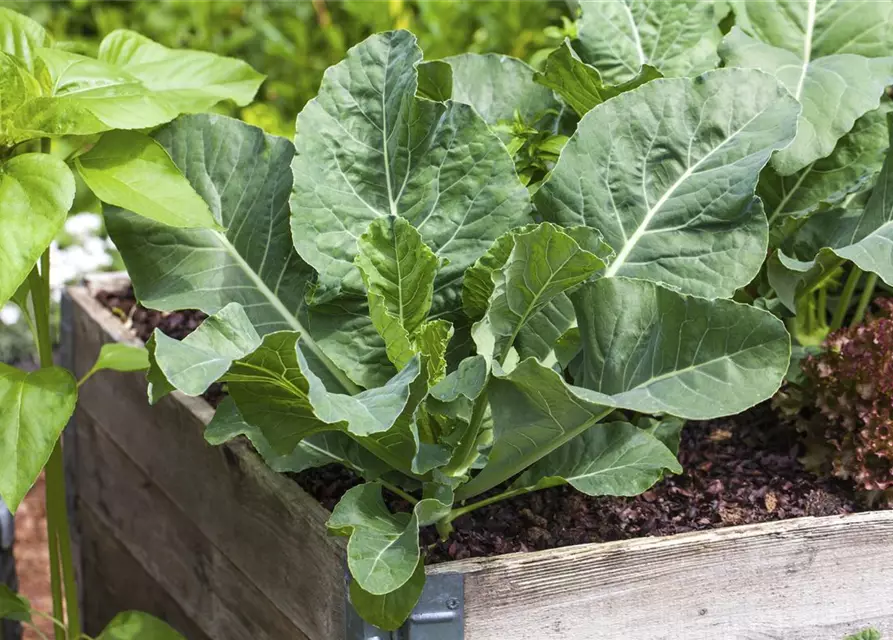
{"x": 293, "y": 42}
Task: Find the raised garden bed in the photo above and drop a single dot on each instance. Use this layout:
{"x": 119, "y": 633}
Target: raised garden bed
{"x": 220, "y": 546}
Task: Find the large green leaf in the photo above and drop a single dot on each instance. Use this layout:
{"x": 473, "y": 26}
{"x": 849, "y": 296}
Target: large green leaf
{"x": 497, "y": 86}
{"x": 398, "y": 270}
{"x": 20, "y": 36}
{"x": 36, "y": 191}
{"x": 581, "y": 85}
{"x": 368, "y": 148}
{"x": 677, "y": 38}
{"x": 330, "y": 447}
{"x": 864, "y": 237}
{"x": 856, "y": 158}
{"x": 244, "y": 177}
{"x": 34, "y": 409}
{"x": 201, "y": 358}
{"x": 819, "y": 54}
{"x": 534, "y": 412}
{"x": 612, "y": 459}
{"x": 667, "y": 173}
{"x": 136, "y": 625}
{"x": 130, "y": 170}
{"x": 656, "y": 351}
{"x": 544, "y": 263}
{"x": 389, "y": 611}
{"x": 190, "y": 81}
{"x": 383, "y": 550}
{"x": 275, "y": 391}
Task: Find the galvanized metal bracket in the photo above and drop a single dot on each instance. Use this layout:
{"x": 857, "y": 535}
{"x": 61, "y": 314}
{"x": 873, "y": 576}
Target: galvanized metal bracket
{"x": 439, "y": 615}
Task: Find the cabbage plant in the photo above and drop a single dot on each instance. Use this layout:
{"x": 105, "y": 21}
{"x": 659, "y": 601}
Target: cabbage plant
{"x": 70, "y": 132}
{"x": 389, "y": 294}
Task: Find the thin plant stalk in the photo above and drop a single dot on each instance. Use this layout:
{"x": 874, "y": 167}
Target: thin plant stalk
{"x": 846, "y": 296}
{"x": 62, "y": 577}
{"x": 864, "y": 299}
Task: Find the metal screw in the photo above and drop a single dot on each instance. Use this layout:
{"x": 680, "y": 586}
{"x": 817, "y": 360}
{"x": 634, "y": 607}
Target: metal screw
{"x": 452, "y": 603}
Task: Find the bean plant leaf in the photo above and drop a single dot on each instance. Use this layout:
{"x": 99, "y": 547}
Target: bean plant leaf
{"x": 190, "y": 81}
{"x": 656, "y": 351}
{"x": 383, "y": 550}
{"x": 12, "y": 605}
{"x": 243, "y": 175}
{"x": 130, "y": 170}
{"x": 855, "y": 160}
{"x": 498, "y": 86}
{"x": 368, "y": 148}
{"x": 667, "y": 173}
{"x": 17, "y": 86}
{"x": 822, "y": 58}
{"x": 610, "y": 459}
{"x": 136, "y": 625}
{"x": 20, "y": 36}
{"x": 390, "y": 610}
{"x": 201, "y": 358}
{"x": 34, "y": 409}
{"x": 544, "y": 263}
{"x": 398, "y": 271}
{"x": 116, "y": 356}
{"x": 330, "y": 447}
{"x": 619, "y": 37}
{"x": 581, "y": 85}
{"x": 36, "y": 190}
{"x": 88, "y": 96}
{"x": 135, "y": 84}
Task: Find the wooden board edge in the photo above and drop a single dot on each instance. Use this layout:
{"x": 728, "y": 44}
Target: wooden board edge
{"x": 82, "y": 296}
{"x": 794, "y": 527}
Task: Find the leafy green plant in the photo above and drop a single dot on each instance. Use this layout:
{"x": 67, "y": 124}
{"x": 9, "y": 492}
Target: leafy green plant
{"x": 382, "y": 295}
{"x": 65, "y": 118}
{"x": 866, "y": 634}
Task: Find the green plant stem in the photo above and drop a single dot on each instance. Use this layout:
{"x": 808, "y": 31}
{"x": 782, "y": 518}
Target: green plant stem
{"x": 864, "y": 299}
{"x": 466, "y": 453}
{"x": 397, "y": 491}
{"x": 822, "y": 309}
{"x": 62, "y": 576}
{"x": 846, "y": 296}
{"x": 505, "y": 495}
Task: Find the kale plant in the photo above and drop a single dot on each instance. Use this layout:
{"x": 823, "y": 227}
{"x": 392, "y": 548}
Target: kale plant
{"x": 64, "y": 115}
{"x": 387, "y": 294}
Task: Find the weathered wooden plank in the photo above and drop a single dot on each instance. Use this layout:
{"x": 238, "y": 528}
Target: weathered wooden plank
{"x": 117, "y": 582}
{"x": 803, "y": 579}
{"x": 171, "y": 548}
{"x": 263, "y": 522}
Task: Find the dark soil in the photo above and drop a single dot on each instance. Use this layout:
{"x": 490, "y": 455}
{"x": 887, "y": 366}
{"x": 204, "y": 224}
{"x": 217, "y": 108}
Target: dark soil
{"x": 738, "y": 470}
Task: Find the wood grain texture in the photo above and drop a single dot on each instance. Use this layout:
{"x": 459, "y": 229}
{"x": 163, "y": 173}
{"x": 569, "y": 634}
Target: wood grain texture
{"x": 802, "y": 579}
{"x": 271, "y": 532}
{"x": 177, "y": 555}
{"x": 117, "y": 582}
